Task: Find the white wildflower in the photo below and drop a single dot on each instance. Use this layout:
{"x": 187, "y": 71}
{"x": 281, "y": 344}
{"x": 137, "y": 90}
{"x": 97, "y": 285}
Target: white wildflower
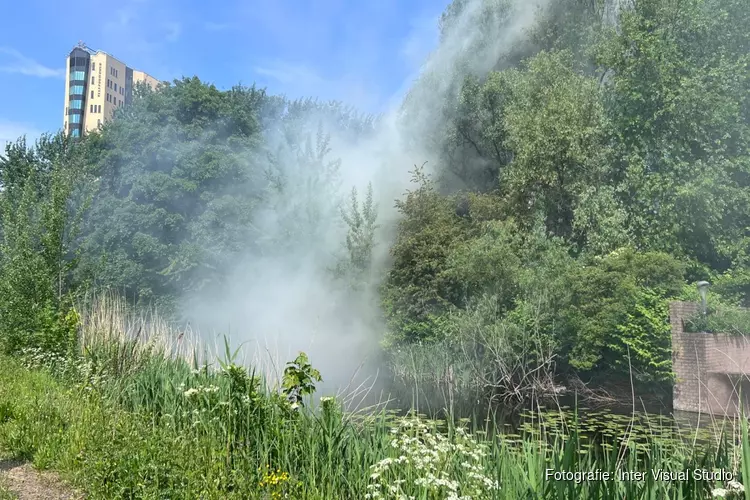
{"x": 736, "y": 486}
{"x": 191, "y": 392}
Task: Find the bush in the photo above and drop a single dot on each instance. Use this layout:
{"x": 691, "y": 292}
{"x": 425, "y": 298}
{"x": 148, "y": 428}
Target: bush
{"x": 618, "y": 318}
{"x": 720, "y": 319}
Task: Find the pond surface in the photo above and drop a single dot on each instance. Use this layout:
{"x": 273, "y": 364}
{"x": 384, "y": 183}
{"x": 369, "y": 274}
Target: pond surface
{"x": 603, "y": 423}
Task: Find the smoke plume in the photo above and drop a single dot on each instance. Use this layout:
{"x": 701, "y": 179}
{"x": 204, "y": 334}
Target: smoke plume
{"x": 286, "y": 300}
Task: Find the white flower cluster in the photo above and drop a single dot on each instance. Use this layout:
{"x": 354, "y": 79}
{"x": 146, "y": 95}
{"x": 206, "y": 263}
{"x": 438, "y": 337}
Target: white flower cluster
{"x": 83, "y": 370}
{"x": 431, "y": 462}
{"x": 36, "y": 357}
{"x": 195, "y": 391}
{"x": 734, "y": 489}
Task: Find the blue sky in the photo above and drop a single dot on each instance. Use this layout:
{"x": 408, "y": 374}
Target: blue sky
{"x": 364, "y": 53}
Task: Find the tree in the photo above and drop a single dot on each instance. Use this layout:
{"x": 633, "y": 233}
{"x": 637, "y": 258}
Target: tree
{"x": 555, "y": 125}
{"x": 677, "y": 97}
{"x": 360, "y": 239}
{"x": 46, "y": 192}
{"x": 181, "y": 170}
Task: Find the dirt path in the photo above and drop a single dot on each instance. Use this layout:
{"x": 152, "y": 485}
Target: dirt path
{"x": 25, "y": 483}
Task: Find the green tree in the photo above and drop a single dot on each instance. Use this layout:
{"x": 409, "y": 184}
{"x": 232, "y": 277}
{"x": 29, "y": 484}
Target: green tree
{"x": 180, "y": 170}
{"x": 556, "y": 129}
{"x": 416, "y": 289}
{"x": 360, "y": 239}
{"x": 46, "y": 191}
{"x": 677, "y": 91}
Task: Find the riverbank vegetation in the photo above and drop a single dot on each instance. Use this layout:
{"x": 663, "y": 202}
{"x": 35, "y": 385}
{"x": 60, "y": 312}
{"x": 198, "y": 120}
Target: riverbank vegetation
{"x": 130, "y": 420}
{"x": 594, "y": 169}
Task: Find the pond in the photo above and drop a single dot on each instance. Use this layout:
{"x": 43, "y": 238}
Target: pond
{"x": 607, "y": 424}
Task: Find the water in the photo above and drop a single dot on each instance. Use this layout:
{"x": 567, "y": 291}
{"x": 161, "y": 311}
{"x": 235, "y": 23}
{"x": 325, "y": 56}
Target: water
{"x": 612, "y": 423}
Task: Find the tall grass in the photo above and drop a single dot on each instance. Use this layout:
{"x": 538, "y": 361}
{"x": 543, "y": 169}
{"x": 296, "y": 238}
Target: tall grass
{"x": 139, "y": 411}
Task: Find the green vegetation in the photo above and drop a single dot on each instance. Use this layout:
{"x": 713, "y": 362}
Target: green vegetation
{"x": 135, "y": 423}
{"x": 602, "y": 180}
{"x": 721, "y": 319}
{"x": 584, "y": 176}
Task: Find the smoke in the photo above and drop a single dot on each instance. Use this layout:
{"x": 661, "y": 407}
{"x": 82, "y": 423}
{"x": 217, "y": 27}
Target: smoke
{"x": 283, "y": 298}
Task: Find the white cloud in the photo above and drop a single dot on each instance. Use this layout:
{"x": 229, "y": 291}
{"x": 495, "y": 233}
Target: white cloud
{"x": 10, "y": 131}
{"x": 334, "y": 49}
{"x": 20, "y": 64}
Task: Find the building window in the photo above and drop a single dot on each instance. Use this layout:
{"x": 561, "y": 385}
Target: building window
{"x": 76, "y": 104}
{"x": 117, "y": 74}
{"x": 77, "y": 75}
{"x": 92, "y": 94}
{"x": 93, "y": 66}
{"x": 66, "y": 111}
{"x": 91, "y": 108}
{"x": 76, "y": 133}
{"x": 120, "y": 102}
{"x": 75, "y": 118}
{"x": 93, "y": 80}
{"x": 76, "y": 90}
{"x": 99, "y": 121}
{"x": 115, "y": 87}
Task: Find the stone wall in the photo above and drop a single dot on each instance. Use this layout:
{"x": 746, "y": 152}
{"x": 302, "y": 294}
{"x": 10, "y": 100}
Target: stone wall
{"x": 711, "y": 368}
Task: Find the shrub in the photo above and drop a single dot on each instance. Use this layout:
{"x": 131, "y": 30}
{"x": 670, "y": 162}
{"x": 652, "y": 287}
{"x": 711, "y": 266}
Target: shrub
{"x": 720, "y": 319}
{"x": 618, "y": 318}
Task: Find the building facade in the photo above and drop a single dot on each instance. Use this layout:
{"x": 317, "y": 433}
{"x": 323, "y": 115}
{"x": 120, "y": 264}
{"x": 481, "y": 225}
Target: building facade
{"x": 96, "y": 84}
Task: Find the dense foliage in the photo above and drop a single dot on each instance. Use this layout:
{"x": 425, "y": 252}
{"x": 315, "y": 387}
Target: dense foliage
{"x": 604, "y": 179}
{"x": 587, "y": 172}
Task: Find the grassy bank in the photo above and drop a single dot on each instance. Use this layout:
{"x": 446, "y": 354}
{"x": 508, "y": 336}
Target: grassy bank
{"x": 112, "y": 451}
{"x": 123, "y": 416}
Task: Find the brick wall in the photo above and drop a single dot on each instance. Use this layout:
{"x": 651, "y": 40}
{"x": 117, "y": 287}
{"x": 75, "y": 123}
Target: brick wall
{"x": 710, "y": 368}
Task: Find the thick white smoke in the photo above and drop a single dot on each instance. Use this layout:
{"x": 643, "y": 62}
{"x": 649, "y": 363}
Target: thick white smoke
{"x": 286, "y": 301}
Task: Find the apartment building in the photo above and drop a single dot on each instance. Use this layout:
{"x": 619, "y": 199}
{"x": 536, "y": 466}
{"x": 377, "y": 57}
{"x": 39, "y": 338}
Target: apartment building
{"x": 96, "y": 84}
